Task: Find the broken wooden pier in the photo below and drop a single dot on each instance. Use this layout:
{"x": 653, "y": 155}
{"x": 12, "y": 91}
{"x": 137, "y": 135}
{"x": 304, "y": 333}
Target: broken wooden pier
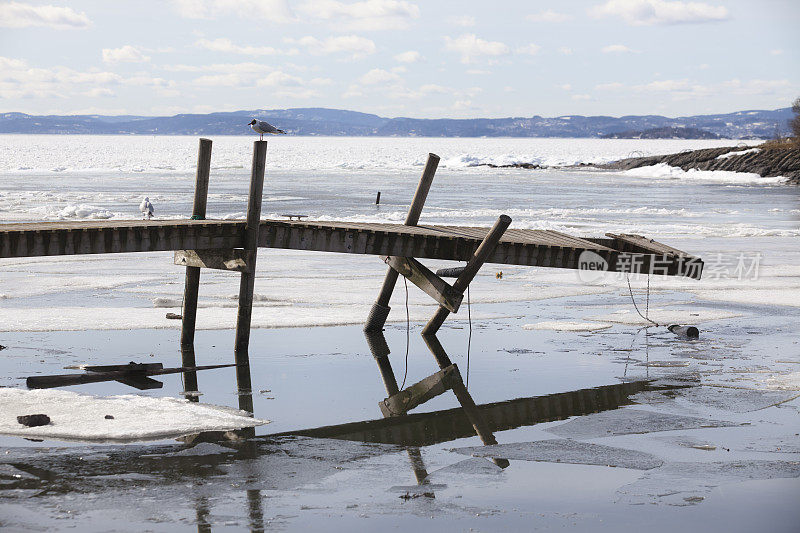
{"x": 232, "y": 245}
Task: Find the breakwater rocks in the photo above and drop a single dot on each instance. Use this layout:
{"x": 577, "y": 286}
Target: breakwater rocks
{"x": 765, "y": 160}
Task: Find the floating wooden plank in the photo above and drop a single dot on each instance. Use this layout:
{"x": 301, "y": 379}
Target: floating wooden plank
{"x": 234, "y": 259}
{"x": 430, "y": 283}
{"x": 421, "y": 392}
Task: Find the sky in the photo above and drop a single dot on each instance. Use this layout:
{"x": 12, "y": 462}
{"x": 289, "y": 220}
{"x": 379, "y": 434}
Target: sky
{"x": 411, "y": 58}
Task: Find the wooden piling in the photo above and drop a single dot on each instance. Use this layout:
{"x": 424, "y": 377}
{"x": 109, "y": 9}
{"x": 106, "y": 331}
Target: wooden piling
{"x": 378, "y": 198}
{"x": 465, "y": 278}
{"x": 380, "y": 309}
{"x": 247, "y": 281}
{"x": 192, "y": 283}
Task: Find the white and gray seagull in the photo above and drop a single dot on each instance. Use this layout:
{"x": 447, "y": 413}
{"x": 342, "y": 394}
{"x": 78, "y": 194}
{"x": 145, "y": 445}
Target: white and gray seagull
{"x": 146, "y": 208}
{"x": 261, "y": 127}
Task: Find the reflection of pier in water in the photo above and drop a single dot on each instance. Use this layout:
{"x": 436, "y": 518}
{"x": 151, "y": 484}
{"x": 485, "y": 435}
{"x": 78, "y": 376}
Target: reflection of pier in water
{"x": 424, "y": 429}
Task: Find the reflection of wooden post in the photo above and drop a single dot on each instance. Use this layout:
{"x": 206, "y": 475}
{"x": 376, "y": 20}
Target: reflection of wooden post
{"x": 247, "y": 282}
{"x": 192, "y": 283}
{"x": 465, "y": 278}
{"x": 464, "y": 397}
{"x": 380, "y": 309}
{"x": 380, "y": 351}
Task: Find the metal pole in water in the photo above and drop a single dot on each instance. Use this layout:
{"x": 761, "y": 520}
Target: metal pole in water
{"x": 378, "y": 198}
{"x": 192, "y": 283}
{"x": 247, "y": 281}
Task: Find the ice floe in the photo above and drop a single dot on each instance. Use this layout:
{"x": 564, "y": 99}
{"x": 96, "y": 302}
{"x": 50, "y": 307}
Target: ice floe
{"x": 567, "y": 325}
{"x": 80, "y": 417}
{"x": 629, "y": 421}
{"x": 567, "y": 451}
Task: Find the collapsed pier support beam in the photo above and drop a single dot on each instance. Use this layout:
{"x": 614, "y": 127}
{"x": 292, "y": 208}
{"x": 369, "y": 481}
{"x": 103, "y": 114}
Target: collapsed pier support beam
{"x": 380, "y": 309}
{"x": 468, "y": 274}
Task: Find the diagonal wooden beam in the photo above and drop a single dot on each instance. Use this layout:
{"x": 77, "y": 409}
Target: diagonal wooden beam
{"x": 380, "y": 309}
{"x": 421, "y": 392}
{"x": 461, "y": 283}
{"x": 425, "y": 279}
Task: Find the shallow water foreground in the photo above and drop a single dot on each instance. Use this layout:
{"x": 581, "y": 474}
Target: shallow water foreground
{"x": 651, "y": 432}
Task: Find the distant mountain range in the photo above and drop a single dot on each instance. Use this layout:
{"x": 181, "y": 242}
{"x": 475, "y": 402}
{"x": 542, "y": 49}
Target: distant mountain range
{"x": 321, "y": 121}
{"x": 664, "y": 133}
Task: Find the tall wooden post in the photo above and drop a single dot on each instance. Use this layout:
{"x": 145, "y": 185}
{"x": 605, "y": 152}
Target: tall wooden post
{"x": 465, "y": 278}
{"x": 380, "y": 309}
{"x": 192, "y": 283}
{"x": 247, "y": 281}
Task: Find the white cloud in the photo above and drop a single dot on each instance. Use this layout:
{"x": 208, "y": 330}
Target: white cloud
{"x": 246, "y": 67}
{"x": 664, "y": 86}
{"x": 124, "y": 54}
{"x": 470, "y": 47}
{"x": 581, "y": 97}
{"x": 564, "y": 50}
{"x": 354, "y": 45}
{"x": 432, "y": 88}
{"x": 759, "y": 87}
{"x": 549, "y": 15}
{"x": 649, "y": 12}
{"x": 225, "y": 45}
{"x": 685, "y": 89}
{"x": 565, "y": 87}
{"x": 272, "y": 10}
{"x": 231, "y": 79}
{"x": 98, "y": 92}
{"x": 18, "y": 15}
{"x": 20, "y": 80}
{"x": 465, "y": 21}
{"x": 530, "y": 49}
{"x": 412, "y": 56}
{"x": 617, "y": 49}
{"x": 279, "y": 79}
{"x": 378, "y": 76}
{"x": 367, "y": 15}
{"x": 613, "y": 86}
{"x": 776, "y": 52}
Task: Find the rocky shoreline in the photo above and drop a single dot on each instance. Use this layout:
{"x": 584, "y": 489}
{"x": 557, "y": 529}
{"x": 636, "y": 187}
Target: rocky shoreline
{"x": 765, "y": 160}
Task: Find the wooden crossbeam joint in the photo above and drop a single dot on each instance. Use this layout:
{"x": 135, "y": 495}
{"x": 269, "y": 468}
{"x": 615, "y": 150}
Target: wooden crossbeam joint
{"x": 421, "y": 392}
{"x": 233, "y": 259}
{"x": 425, "y": 279}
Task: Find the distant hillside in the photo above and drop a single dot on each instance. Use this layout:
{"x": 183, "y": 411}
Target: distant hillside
{"x": 663, "y": 133}
{"x": 321, "y": 121}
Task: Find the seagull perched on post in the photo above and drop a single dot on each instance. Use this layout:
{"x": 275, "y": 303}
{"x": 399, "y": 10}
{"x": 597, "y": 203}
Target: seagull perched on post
{"x": 261, "y": 127}
{"x": 146, "y": 208}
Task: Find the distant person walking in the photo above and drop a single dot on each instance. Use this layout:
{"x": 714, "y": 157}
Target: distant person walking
{"x": 146, "y": 208}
